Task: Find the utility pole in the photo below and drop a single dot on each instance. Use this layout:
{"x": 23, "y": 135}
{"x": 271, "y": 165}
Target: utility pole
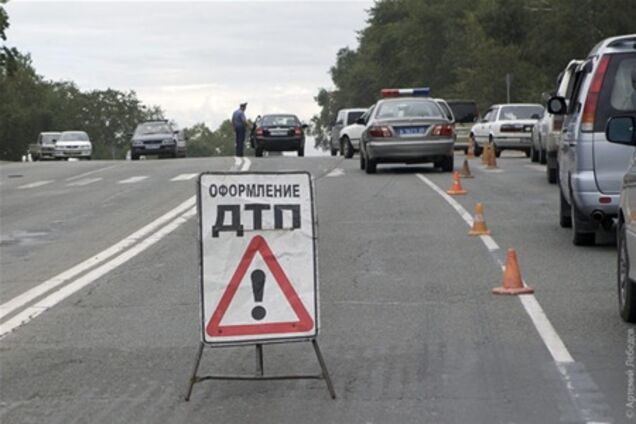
{"x": 508, "y": 83}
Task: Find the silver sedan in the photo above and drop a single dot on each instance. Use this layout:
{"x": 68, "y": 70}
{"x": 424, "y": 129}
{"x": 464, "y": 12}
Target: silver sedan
{"x": 407, "y": 130}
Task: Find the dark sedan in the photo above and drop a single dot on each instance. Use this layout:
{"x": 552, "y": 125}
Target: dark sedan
{"x": 279, "y": 133}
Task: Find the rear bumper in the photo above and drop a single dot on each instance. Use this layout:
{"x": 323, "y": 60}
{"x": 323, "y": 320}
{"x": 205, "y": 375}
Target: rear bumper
{"x": 423, "y": 151}
{"x": 586, "y": 197}
{"x": 63, "y": 154}
{"x": 279, "y": 144}
{"x": 161, "y": 150}
{"x": 513, "y": 142}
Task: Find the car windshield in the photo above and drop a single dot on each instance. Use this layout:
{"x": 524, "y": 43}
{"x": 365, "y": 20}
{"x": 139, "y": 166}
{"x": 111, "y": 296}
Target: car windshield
{"x": 409, "y": 108}
{"x": 353, "y": 117}
{"x": 279, "y": 121}
{"x": 153, "y": 128}
{"x": 464, "y": 112}
{"x": 74, "y": 136}
{"x": 50, "y": 138}
{"x": 511, "y": 113}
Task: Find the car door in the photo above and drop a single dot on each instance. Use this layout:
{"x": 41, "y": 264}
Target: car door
{"x": 628, "y": 202}
{"x": 335, "y": 130}
{"x": 482, "y": 129}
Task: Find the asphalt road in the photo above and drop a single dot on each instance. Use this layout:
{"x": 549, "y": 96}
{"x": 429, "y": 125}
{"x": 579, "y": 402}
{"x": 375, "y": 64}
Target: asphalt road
{"x": 409, "y": 328}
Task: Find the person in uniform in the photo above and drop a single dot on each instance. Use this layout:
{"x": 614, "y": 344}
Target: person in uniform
{"x": 239, "y": 122}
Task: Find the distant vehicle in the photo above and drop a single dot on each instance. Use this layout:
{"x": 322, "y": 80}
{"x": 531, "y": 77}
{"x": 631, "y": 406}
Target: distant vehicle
{"x": 407, "y": 127}
{"x": 507, "y": 127}
{"x": 591, "y": 169}
{"x": 350, "y": 136}
{"x": 345, "y": 117}
{"x": 161, "y": 138}
{"x": 466, "y": 114}
{"x": 622, "y": 130}
{"x": 547, "y": 134}
{"x": 44, "y": 147}
{"x": 73, "y": 144}
{"x": 279, "y": 133}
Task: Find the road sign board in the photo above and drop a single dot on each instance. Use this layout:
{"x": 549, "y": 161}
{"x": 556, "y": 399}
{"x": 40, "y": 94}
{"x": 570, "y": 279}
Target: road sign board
{"x": 258, "y": 265}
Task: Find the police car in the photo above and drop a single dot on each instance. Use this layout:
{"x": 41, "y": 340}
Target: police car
{"x": 406, "y": 126}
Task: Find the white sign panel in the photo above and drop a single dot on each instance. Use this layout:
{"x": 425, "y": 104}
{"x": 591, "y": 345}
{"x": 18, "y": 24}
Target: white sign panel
{"x": 258, "y": 267}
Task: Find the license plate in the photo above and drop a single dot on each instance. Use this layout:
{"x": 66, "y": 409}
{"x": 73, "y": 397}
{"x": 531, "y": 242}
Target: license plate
{"x": 152, "y": 146}
{"x": 411, "y": 130}
{"x": 278, "y": 132}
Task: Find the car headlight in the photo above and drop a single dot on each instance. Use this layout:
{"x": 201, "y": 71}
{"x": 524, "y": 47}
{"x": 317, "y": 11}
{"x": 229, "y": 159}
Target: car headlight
{"x": 137, "y": 143}
{"x": 167, "y": 141}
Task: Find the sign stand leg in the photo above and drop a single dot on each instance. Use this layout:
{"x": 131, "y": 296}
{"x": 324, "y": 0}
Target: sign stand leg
{"x": 259, "y": 360}
{"x": 194, "y": 378}
{"x": 325, "y": 371}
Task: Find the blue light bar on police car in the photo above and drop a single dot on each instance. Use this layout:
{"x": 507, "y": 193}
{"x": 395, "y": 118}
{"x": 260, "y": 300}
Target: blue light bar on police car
{"x": 406, "y": 92}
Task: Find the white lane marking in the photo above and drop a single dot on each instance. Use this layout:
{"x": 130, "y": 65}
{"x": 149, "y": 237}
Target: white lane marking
{"x": 493, "y": 171}
{"x": 133, "y": 180}
{"x": 540, "y": 168}
{"x": 35, "y": 184}
{"x": 56, "y": 297}
{"x": 459, "y": 208}
{"x": 184, "y": 177}
{"x": 118, "y": 247}
{"x": 85, "y": 174}
{"x": 490, "y": 243}
{"x": 336, "y": 172}
{"x": 238, "y": 161}
{"x": 85, "y": 181}
{"x": 246, "y": 164}
{"x": 548, "y": 334}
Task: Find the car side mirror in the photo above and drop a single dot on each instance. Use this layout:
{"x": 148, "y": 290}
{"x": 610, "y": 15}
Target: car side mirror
{"x": 338, "y": 122}
{"x": 535, "y": 116}
{"x": 304, "y": 126}
{"x": 360, "y": 121}
{"x": 620, "y": 130}
{"x": 557, "y": 106}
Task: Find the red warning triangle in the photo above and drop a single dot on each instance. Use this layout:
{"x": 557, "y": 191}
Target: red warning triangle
{"x": 304, "y": 323}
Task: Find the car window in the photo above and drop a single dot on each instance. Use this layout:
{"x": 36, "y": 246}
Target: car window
{"x": 618, "y": 92}
{"x": 579, "y": 78}
{"x": 511, "y": 113}
{"x": 74, "y": 136}
{"x": 152, "y": 128}
{"x": 464, "y": 112}
{"x": 408, "y": 108}
{"x": 280, "y": 120}
{"x": 49, "y": 138}
{"x": 352, "y": 117}
{"x": 447, "y": 110}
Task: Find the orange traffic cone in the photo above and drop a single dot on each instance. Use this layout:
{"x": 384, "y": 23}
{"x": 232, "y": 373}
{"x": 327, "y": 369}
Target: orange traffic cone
{"x": 492, "y": 159}
{"x": 470, "y": 154}
{"x": 479, "y": 224}
{"x": 485, "y": 154}
{"x": 456, "y": 189}
{"x": 512, "y": 283}
{"x": 465, "y": 172}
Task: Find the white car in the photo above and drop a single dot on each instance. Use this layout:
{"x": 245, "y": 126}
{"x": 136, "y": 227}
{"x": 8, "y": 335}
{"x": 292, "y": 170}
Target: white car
{"x": 345, "y": 118}
{"x": 350, "y": 135}
{"x": 507, "y": 127}
{"x": 73, "y": 144}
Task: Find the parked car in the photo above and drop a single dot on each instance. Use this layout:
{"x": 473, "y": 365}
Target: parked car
{"x": 278, "y": 133}
{"x": 622, "y": 130}
{"x": 161, "y": 138}
{"x": 44, "y": 147}
{"x": 350, "y": 136}
{"x": 407, "y": 127}
{"x": 344, "y": 118}
{"x": 507, "y": 127}
{"x": 539, "y": 133}
{"x": 466, "y": 114}
{"x": 590, "y": 168}
{"x": 73, "y": 144}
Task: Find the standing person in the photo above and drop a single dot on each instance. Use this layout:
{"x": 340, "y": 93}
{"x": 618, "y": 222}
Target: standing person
{"x": 239, "y": 122}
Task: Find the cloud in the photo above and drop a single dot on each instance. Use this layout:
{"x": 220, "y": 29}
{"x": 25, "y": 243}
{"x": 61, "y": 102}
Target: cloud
{"x": 196, "y": 60}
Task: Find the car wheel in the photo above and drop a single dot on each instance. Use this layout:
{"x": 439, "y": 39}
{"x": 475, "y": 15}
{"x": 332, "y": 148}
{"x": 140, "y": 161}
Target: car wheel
{"x": 478, "y": 150}
{"x": 534, "y": 155}
{"x": 543, "y": 157}
{"x": 579, "y": 237}
{"x": 552, "y": 174}
{"x": 134, "y": 156}
{"x": 371, "y": 166}
{"x": 362, "y": 161}
{"x": 258, "y": 151}
{"x": 626, "y": 294}
{"x": 347, "y": 148}
{"x": 334, "y": 151}
{"x": 301, "y": 151}
{"x": 565, "y": 217}
{"x": 497, "y": 151}
{"x": 448, "y": 164}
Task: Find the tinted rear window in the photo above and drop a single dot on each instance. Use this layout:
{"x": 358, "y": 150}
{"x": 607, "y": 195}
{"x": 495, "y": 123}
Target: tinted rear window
{"x": 279, "y": 120}
{"x": 464, "y": 111}
{"x": 512, "y": 113}
{"x": 353, "y": 117}
{"x": 618, "y": 94}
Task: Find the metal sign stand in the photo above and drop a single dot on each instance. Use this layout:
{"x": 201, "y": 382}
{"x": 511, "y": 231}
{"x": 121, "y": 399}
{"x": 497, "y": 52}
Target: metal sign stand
{"x": 260, "y": 371}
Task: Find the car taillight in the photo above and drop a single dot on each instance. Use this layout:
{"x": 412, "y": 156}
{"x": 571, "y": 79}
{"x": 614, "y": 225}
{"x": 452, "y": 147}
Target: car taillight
{"x": 380, "y": 132}
{"x": 259, "y": 132}
{"x": 298, "y": 131}
{"x": 557, "y": 123}
{"x": 589, "y": 111}
{"x": 443, "y": 130}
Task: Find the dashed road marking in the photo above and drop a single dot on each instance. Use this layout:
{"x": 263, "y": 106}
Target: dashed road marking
{"x": 85, "y": 174}
{"x": 133, "y": 180}
{"x": 85, "y": 181}
{"x": 336, "y": 172}
{"x": 184, "y": 177}
{"x": 35, "y": 184}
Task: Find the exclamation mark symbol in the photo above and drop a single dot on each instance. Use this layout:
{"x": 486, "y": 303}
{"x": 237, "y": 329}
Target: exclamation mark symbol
{"x": 258, "y": 287}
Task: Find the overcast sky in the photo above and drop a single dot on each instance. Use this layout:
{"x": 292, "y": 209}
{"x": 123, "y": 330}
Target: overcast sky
{"x": 196, "y": 60}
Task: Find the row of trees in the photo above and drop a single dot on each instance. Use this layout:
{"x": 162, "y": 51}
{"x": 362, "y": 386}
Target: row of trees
{"x": 29, "y": 104}
{"x": 463, "y": 49}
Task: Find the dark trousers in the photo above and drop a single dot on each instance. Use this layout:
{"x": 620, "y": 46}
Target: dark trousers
{"x": 240, "y": 140}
